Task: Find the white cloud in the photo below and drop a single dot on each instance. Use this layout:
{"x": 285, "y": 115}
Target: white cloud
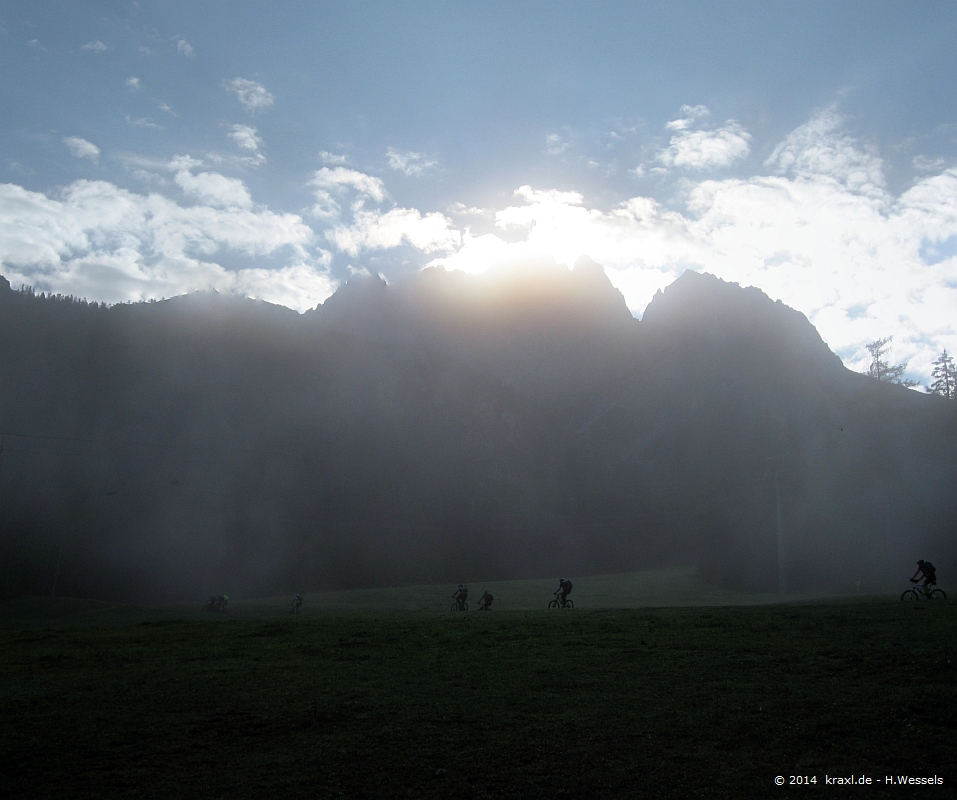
{"x": 691, "y": 115}
{"x": 373, "y": 230}
{"x": 134, "y": 84}
{"x": 821, "y": 147}
{"x": 300, "y": 286}
{"x": 245, "y": 137}
{"x": 824, "y": 238}
{"x": 555, "y": 145}
{"x": 185, "y": 48}
{"x": 471, "y": 211}
{"x": 253, "y": 96}
{"x": 330, "y": 182}
{"x": 177, "y": 163}
{"x": 332, "y": 159}
{"x": 412, "y": 164}
{"x": 35, "y": 44}
{"x": 168, "y": 109}
{"x": 142, "y": 122}
{"x": 96, "y": 47}
{"x": 215, "y": 189}
{"x": 148, "y": 177}
{"x": 248, "y": 140}
{"x": 104, "y": 243}
{"x": 81, "y": 148}
{"x": 704, "y": 149}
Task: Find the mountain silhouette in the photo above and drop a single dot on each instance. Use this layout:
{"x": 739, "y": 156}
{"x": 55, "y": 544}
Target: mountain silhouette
{"x": 454, "y": 427}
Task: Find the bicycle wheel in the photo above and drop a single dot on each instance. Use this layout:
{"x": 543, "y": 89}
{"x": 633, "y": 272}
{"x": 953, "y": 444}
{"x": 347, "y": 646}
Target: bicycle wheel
{"x": 937, "y": 594}
{"x": 569, "y": 604}
{"x": 908, "y": 595}
{"x": 554, "y": 604}
{"x": 455, "y": 607}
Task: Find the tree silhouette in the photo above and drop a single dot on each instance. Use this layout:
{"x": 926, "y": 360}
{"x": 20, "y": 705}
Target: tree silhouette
{"x": 945, "y": 377}
{"x": 882, "y": 369}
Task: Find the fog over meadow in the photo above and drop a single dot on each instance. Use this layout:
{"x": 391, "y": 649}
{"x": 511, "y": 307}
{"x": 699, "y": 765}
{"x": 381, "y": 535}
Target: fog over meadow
{"x": 449, "y": 427}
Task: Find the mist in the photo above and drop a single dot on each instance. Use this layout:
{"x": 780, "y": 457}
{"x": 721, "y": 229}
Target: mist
{"x": 452, "y": 428}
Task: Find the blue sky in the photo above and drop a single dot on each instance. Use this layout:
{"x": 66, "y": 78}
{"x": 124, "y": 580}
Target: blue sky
{"x": 276, "y": 149}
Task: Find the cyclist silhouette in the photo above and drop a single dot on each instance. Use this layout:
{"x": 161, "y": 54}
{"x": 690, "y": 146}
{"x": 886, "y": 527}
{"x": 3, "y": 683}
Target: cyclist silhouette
{"x": 564, "y": 589}
{"x": 929, "y": 572}
{"x": 460, "y": 596}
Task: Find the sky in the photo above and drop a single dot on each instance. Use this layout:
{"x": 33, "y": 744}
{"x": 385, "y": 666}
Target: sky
{"x": 276, "y": 150}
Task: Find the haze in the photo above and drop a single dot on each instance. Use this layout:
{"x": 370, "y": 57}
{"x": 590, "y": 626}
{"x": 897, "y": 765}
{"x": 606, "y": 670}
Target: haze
{"x": 454, "y": 427}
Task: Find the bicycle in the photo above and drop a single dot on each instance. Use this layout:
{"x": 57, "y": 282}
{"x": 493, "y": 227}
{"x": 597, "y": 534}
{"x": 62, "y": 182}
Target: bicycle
{"x": 463, "y": 606}
{"x": 919, "y": 592}
{"x": 557, "y": 603}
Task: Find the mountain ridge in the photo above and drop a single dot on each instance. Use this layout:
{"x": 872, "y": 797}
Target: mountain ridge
{"x": 412, "y": 433}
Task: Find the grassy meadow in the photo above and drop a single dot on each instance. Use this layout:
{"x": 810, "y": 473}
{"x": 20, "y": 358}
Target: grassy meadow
{"x": 653, "y": 687}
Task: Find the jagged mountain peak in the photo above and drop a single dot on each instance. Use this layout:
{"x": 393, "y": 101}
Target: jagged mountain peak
{"x": 529, "y": 296}
{"x": 698, "y": 304}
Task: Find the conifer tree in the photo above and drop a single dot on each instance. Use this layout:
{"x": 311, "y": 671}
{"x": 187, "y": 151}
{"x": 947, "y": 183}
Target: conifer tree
{"x": 945, "y": 377}
{"x": 882, "y": 369}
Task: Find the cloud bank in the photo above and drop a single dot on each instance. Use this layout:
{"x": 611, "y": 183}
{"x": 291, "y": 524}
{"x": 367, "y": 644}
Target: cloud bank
{"x": 101, "y": 242}
{"x": 821, "y": 234}
{"x": 818, "y": 230}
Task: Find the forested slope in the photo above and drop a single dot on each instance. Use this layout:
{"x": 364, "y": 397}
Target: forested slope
{"x": 453, "y": 428}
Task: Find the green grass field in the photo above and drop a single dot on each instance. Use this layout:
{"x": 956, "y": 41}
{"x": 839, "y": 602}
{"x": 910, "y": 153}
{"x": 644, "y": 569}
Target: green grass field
{"x": 377, "y": 695}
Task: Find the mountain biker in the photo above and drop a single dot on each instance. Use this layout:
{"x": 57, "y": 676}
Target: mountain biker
{"x": 485, "y": 601}
{"x": 461, "y": 595}
{"x": 296, "y": 603}
{"x": 564, "y": 589}
{"x": 929, "y": 572}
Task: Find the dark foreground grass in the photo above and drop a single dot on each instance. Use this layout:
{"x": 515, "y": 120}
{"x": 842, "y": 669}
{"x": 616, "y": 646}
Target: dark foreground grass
{"x": 587, "y": 704}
